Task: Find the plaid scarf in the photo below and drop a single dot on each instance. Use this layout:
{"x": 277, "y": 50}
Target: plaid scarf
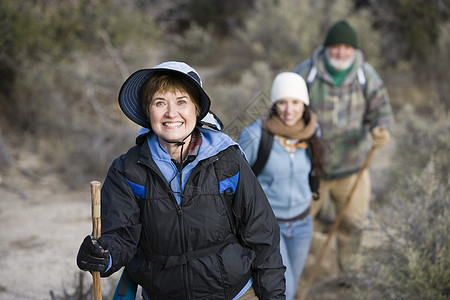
{"x": 194, "y": 146}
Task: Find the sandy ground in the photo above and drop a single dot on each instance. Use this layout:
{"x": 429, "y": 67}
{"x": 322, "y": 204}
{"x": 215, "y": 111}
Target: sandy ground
{"x": 42, "y": 224}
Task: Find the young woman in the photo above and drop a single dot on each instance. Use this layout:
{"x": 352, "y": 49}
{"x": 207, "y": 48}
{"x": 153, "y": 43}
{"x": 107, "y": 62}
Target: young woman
{"x": 285, "y": 177}
{"x": 182, "y": 209}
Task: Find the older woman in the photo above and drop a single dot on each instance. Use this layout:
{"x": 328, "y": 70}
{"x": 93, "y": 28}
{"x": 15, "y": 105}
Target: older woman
{"x": 182, "y": 210}
{"x": 288, "y": 133}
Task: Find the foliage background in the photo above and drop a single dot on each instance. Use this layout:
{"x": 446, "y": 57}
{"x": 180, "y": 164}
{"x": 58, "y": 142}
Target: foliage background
{"x": 62, "y": 64}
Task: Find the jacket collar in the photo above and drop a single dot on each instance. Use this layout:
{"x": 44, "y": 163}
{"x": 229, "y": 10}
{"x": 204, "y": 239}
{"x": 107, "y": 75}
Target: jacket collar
{"x": 318, "y": 59}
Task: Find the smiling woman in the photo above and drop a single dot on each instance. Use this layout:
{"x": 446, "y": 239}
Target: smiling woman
{"x": 172, "y": 116}
{"x": 170, "y": 102}
{"x": 182, "y": 210}
{"x": 287, "y": 133}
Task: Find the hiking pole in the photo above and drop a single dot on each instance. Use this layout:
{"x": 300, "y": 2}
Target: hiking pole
{"x": 96, "y": 232}
{"x": 336, "y": 225}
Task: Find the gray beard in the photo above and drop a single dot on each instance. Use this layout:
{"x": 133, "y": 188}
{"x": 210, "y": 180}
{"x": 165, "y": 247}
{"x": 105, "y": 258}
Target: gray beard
{"x": 339, "y": 64}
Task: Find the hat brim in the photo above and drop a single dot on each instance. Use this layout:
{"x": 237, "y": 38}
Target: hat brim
{"x": 130, "y": 95}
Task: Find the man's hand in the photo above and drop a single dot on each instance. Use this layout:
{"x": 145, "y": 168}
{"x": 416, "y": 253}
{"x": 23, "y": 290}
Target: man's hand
{"x": 380, "y": 137}
{"x": 92, "y": 257}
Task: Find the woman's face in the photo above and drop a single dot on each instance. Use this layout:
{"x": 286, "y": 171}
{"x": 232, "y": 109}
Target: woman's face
{"x": 172, "y": 115}
{"x": 290, "y": 110}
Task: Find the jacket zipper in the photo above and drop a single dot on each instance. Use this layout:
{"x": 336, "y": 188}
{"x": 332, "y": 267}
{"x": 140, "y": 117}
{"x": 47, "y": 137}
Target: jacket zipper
{"x": 179, "y": 212}
{"x": 179, "y": 208}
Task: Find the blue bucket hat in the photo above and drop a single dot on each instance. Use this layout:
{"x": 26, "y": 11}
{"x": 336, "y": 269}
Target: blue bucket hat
{"x": 130, "y": 94}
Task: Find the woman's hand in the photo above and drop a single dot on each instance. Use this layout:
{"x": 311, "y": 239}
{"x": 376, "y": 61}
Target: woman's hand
{"x": 92, "y": 256}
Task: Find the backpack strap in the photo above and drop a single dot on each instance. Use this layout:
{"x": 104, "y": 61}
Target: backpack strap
{"x": 360, "y": 74}
{"x": 126, "y": 288}
{"x": 265, "y": 146}
{"x": 182, "y": 259}
{"x": 311, "y": 74}
{"x": 314, "y": 180}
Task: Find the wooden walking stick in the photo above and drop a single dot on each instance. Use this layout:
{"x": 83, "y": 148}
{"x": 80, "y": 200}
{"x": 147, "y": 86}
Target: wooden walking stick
{"x": 96, "y": 232}
{"x": 335, "y": 226}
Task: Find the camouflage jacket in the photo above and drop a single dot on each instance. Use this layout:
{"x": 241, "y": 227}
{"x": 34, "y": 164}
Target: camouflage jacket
{"x": 346, "y": 113}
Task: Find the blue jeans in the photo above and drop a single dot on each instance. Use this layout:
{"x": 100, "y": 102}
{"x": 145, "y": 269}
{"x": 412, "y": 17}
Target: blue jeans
{"x": 294, "y": 246}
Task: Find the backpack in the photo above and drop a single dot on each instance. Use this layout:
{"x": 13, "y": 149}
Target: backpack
{"x": 265, "y": 146}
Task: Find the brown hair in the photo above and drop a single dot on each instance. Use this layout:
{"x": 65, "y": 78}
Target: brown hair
{"x": 169, "y": 82}
{"x": 316, "y": 145}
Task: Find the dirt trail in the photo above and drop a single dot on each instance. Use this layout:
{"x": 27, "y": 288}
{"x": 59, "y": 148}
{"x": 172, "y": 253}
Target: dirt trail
{"x": 41, "y": 227}
{"x": 42, "y": 224}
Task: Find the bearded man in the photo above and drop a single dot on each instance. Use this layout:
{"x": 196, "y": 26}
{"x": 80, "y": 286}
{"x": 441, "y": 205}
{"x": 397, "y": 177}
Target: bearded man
{"x": 354, "y": 113}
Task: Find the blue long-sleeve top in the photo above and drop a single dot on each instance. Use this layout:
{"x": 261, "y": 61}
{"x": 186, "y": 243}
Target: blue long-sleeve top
{"x": 284, "y": 178}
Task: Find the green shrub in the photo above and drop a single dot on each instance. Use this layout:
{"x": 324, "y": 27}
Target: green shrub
{"x": 284, "y": 33}
{"x": 413, "y": 262}
{"x": 195, "y": 45}
{"x": 419, "y": 140}
{"x": 67, "y": 62}
{"x": 42, "y": 30}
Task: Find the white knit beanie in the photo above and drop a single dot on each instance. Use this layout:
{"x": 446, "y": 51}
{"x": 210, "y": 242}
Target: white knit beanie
{"x": 289, "y": 85}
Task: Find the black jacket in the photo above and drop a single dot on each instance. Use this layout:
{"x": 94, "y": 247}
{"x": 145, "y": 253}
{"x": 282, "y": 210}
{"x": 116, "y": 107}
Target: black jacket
{"x": 223, "y": 233}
